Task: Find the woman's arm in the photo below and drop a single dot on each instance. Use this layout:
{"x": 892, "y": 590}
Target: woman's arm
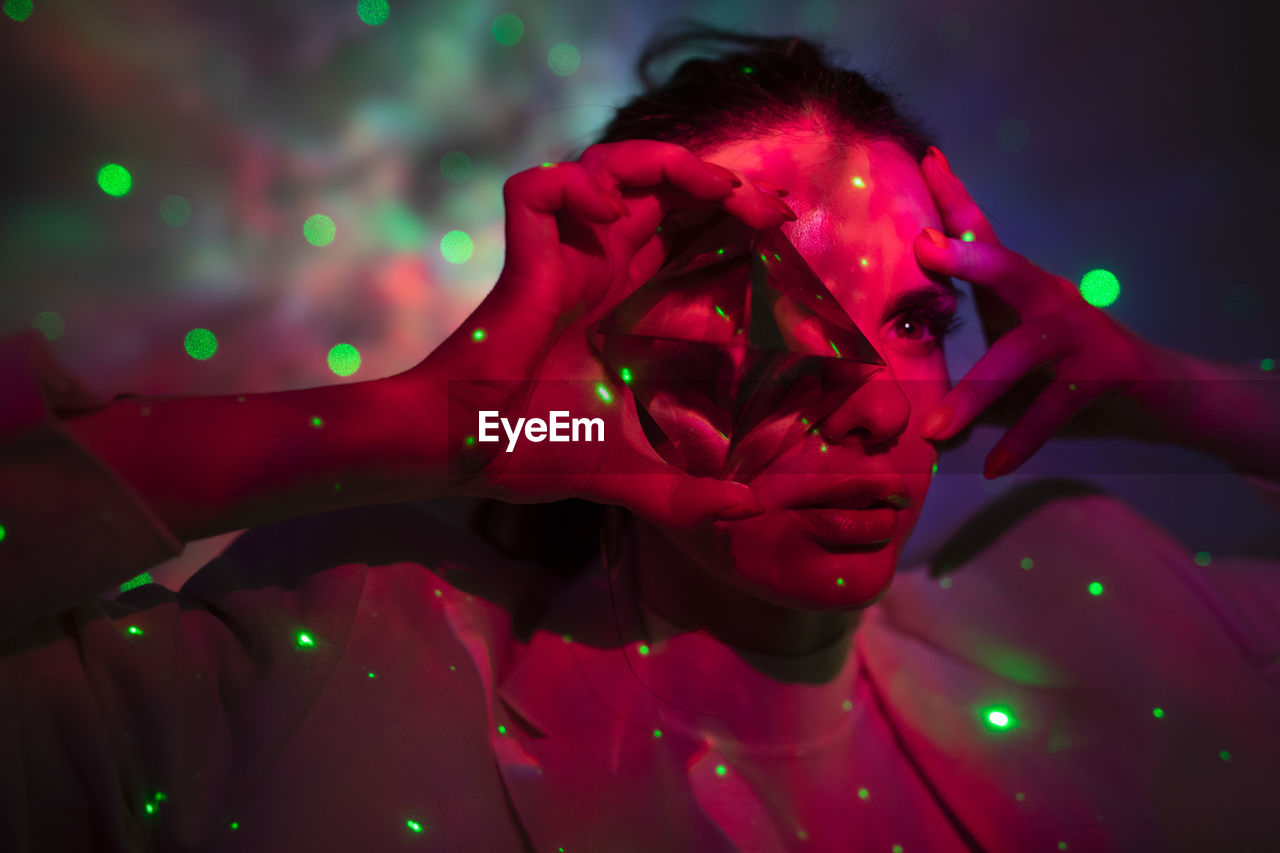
{"x": 208, "y": 465}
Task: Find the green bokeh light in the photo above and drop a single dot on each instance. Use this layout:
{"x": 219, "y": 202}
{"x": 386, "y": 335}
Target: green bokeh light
{"x": 175, "y": 211}
{"x": 50, "y": 324}
{"x": 563, "y": 59}
{"x": 968, "y": 237}
{"x": 344, "y": 359}
{"x": 1203, "y": 558}
{"x": 478, "y": 335}
{"x": 18, "y": 10}
{"x": 1095, "y": 588}
{"x": 1100, "y": 288}
{"x": 3, "y": 533}
{"x": 200, "y": 344}
{"x": 319, "y": 230}
{"x": 455, "y": 167}
{"x": 863, "y": 793}
{"x": 456, "y": 247}
{"x": 305, "y": 640}
{"x": 1157, "y": 712}
{"x": 508, "y": 29}
{"x": 1267, "y": 364}
{"x": 721, "y": 770}
{"x": 999, "y": 718}
{"x": 141, "y": 580}
{"x": 115, "y": 180}
{"x": 1224, "y": 755}
{"x": 1026, "y": 563}
{"x": 373, "y": 12}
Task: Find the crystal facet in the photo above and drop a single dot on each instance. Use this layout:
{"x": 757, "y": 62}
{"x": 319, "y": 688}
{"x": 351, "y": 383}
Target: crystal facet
{"x": 734, "y": 333}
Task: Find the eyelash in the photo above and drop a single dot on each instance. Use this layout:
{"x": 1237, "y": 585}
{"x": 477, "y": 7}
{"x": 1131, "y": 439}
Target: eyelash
{"x": 941, "y": 324}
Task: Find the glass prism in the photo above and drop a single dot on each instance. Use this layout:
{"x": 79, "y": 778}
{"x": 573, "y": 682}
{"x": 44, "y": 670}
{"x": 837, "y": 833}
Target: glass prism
{"x": 734, "y": 335}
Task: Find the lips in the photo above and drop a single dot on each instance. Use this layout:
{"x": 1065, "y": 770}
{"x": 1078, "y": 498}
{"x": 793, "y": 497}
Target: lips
{"x": 852, "y": 493}
{"x": 850, "y": 527}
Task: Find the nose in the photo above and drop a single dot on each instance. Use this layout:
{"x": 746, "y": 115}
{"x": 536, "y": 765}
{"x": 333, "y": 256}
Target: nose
{"x": 877, "y": 412}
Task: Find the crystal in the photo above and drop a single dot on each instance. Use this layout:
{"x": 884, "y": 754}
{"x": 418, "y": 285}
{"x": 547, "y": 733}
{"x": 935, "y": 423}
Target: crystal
{"x": 734, "y": 335}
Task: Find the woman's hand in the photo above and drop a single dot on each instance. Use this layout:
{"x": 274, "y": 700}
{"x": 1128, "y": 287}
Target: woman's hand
{"x": 579, "y": 238}
{"x": 1055, "y": 365}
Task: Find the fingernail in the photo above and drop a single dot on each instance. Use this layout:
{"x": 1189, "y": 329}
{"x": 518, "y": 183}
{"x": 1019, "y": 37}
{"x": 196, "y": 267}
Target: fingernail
{"x": 780, "y": 206}
{"x": 772, "y": 188}
{"x": 724, "y": 173}
{"x": 997, "y": 464}
{"x": 936, "y": 237}
{"x": 936, "y": 421}
{"x": 942, "y": 159}
{"x": 747, "y": 509}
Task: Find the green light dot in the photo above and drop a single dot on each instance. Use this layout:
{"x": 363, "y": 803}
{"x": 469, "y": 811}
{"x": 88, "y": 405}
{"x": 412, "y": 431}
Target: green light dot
{"x": 839, "y": 581}
{"x": 863, "y": 793}
{"x": 3, "y": 533}
{"x": 235, "y": 824}
{"x": 200, "y": 344}
{"x": 115, "y": 180}
{"x": 719, "y": 251}
{"x": 414, "y": 825}
{"x": 151, "y": 809}
{"x": 644, "y": 650}
{"x": 1267, "y": 364}
{"x": 858, "y": 182}
{"x": 455, "y": 167}
{"x": 135, "y": 630}
{"x": 1062, "y": 845}
{"x": 721, "y": 770}
{"x": 897, "y": 848}
{"x": 604, "y": 393}
{"x": 935, "y": 468}
{"x": 549, "y": 165}
{"x": 945, "y": 583}
{"x": 1224, "y": 755}
{"x": 50, "y": 324}
{"x": 507, "y": 29}
{"x": 835, "y": 349}
{"x": 822, "y": 448}
{"x": 478, "y": 335}
{"x": 373, "y": 12}
{"x": 304, "y": 639}
{"x": 625, "y": 375}
{"x": 1000, "y": 718}
{"x": 1203, "y": 558}
{"x": 344, "y": 359}
{"x": 317, "y": 421}
{"x": 847, "y": 705}
{"x": 175, "y": 211}
{"x": 1020, "y": 797}
{"x": 1026, "y": 563}
{"x": 1100, "y": 288}
{"x": 747, "y": 69}
{"x": 373, "y": 675}
{"x": 1095, "y": 588}
{"x": 18, "y": 10}
{"x": 160, "y": 797}
{"x": 133, "y": 583}
{"x": 720, "y": 311}
{"x": 456, "y": 247}
{"x": 1158, "y": 713}
{"x": 563, "y": 59}
{"x": 319, "y": 230}
{"x": 968, "y": 237}
{"x": 568, "y": 638}
{"x": 469, "y": 440}
{"x": 502, "y": 730}
{"x": 657, "y": 732}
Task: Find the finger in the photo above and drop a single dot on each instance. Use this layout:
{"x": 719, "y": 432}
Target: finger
{"x": 960, "y": 214}
{"x": 671, "y": 497}
{"x": 647, "y": 163}
{"x": 532, "y": 199}
{"x": 1053, "y": 408}
{"x": 1021, "y": 351}
{"x": 1025, "y": 287}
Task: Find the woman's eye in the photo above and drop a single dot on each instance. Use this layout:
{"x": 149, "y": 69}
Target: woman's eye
{"x": 913, "y": 328}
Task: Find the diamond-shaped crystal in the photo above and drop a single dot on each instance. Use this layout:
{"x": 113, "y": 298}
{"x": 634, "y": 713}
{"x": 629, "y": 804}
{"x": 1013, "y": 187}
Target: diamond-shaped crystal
{"x": 734, "y": 333}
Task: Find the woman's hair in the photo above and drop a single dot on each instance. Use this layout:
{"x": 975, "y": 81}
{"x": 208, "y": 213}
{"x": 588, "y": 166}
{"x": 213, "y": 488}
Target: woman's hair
{"x": 744, "y": 86}
{"x": 738, "y": 87}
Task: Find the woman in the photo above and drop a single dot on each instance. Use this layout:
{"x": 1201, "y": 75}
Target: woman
{"x": 380, "y": 678}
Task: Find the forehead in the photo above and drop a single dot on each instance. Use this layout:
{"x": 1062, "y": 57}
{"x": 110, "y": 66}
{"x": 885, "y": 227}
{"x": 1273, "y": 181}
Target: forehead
{"x": 860, "y": 205}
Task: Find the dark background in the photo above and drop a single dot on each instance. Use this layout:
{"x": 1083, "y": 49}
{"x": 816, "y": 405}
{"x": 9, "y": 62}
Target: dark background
{"x": 1135, "y": 137}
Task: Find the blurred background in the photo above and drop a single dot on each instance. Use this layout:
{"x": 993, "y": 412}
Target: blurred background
{"x": 239, "y": 196}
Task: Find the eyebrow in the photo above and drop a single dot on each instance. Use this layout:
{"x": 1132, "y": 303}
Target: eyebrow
{"x": 934, "y": 295}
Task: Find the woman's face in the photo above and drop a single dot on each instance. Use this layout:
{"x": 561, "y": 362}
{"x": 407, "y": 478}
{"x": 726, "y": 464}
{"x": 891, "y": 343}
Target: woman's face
{"x": 859, "y": 212}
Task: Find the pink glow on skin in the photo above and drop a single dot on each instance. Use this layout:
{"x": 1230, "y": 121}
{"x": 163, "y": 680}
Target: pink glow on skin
{"x": 769, "y": 583}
